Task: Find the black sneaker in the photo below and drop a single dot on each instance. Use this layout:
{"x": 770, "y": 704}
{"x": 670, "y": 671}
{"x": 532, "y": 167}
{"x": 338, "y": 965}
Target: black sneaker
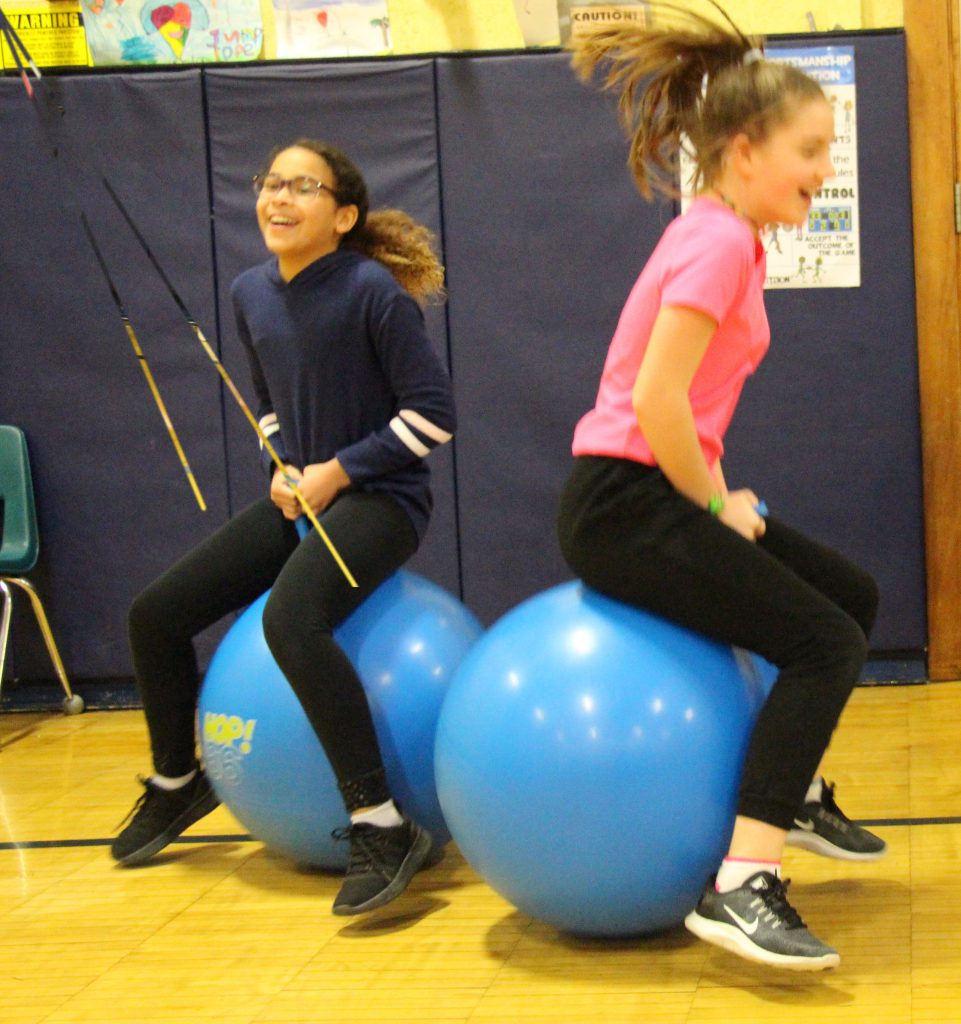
{"x": 382, "y": 862}
{"x": 757, "y": 922}
{"x": 433, "y": 858}
{"x": 159, "y": 816}
{"x": 822, "y": 827}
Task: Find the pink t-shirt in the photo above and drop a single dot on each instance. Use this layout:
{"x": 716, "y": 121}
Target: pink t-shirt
{"x": 708, "y": 260}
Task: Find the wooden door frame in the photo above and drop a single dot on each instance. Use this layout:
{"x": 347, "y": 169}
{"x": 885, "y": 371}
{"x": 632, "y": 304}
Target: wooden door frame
{"x": 931, "y": 28}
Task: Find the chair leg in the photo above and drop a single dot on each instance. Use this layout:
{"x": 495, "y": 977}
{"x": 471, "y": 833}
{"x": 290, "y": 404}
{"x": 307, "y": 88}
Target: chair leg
{"x": 73, "y": 703}
{"x": 4, "y": 625}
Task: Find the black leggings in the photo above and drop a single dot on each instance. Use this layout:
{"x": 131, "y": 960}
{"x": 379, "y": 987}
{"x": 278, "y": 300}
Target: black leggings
{"x": 627, "y": 532}
{"x": 257, "y": 550}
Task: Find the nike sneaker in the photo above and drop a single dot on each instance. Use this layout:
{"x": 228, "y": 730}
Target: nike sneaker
{"x": 756, "y": 922}
{"x": 822, "y": 827}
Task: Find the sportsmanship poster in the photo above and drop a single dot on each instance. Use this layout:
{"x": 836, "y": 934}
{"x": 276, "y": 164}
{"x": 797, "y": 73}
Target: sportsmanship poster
{"x": 825, "y": 251}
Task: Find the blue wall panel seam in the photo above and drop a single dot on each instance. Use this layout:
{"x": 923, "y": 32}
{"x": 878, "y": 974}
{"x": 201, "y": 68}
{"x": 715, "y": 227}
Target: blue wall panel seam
{"x": 208, "y": 155}
{"x": 447, "y": 332}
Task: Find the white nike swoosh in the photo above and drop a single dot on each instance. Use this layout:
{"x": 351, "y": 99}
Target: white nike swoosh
{"x": 748, "y": 929}
{"x": 807, "y": 825}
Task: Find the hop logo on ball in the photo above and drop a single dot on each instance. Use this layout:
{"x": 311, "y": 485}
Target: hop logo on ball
{"x": 226, "y": 740}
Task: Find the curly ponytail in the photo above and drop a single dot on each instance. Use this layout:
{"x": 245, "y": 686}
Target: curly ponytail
{"x": 686, "y": 77}
{"x": 389, "y": 236}
{"x": 405, "y": 247}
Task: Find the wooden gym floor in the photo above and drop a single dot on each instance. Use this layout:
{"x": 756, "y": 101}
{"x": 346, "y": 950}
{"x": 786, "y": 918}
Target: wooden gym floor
{"x": 219, "y": 930}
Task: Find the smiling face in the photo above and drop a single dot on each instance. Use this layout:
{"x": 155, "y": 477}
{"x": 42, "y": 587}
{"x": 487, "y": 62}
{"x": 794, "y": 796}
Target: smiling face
{"x": 782, "y": 174}
{"x": 297, "y": 229}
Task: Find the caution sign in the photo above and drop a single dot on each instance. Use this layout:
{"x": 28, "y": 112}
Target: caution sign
{"x": 51, "y": 30}
{"x": 577, "y": 19}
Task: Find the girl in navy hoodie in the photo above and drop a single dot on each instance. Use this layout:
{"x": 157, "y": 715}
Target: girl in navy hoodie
{"x": 352, "y": 397}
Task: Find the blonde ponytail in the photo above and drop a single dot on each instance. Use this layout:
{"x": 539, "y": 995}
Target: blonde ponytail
{"x": 687, "y": 77}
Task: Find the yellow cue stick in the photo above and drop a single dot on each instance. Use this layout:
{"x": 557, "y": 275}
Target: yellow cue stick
{"x": 291, "y": 483}
{"x": 154, "y": 390}
{"x": 144, "y": 365}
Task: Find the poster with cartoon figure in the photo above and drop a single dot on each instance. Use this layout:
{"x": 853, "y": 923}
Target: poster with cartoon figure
{"x": 825, "y": 251}
{"x": 172, "y": 31}
{"x": 331, "y": 28}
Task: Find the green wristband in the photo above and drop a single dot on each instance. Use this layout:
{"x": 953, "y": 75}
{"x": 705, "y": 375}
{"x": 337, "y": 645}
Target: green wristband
{"x": 715, "y": 504}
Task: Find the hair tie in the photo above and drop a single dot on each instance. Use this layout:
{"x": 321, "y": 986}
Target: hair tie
{"x": 752, "y": 55}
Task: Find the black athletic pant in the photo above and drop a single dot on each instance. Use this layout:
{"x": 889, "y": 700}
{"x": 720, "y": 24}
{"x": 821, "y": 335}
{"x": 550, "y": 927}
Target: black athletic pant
{"x": 257, "y": 550}
{"x": 628, "y": 533}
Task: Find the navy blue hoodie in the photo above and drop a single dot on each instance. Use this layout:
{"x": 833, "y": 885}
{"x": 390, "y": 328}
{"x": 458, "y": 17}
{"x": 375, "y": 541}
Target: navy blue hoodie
{"x": 342, "y": 366}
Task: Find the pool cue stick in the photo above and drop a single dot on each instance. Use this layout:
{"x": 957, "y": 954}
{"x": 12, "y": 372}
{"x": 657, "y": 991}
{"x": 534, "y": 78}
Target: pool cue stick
{"x": 16, "y": 56}
{"x": 16, "y": 48}
{"x": 11, "y": 33}
{"x": 14, "y": 41}
{"x": 195, "y": 327}
{"x": 142, "y": 359}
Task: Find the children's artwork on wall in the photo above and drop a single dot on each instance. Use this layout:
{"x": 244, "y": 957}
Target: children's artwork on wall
{"x": 172, "y": 31}
{"x": 331, "y": 28}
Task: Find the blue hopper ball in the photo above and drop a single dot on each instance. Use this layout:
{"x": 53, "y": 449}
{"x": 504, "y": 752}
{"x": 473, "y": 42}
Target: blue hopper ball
{"x": 588, "y": 759}
{"x": 261, "y": 754}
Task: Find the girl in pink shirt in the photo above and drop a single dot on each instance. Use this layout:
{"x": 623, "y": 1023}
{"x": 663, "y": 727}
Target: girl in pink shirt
{"x": 647, "y": 517}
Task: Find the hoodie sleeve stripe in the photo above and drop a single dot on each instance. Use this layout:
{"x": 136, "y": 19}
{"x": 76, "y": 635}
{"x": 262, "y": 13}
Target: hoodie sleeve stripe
{"x": 424, "y": 426}
{"x": 401, "y": 429}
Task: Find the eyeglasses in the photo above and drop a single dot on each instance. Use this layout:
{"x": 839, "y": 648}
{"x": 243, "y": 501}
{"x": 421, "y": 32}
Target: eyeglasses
{"x": 301, "y": 187}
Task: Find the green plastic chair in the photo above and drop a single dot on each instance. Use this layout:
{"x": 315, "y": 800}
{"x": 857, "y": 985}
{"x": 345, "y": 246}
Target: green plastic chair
{"x": 19, "y": 547}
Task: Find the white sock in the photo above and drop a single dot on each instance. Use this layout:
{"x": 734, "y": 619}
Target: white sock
{"x": 735, "y": 871}
{"x": 815, "y": 790}
{"x": 165, "y": 782}
{"x": 384, "y": 816}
